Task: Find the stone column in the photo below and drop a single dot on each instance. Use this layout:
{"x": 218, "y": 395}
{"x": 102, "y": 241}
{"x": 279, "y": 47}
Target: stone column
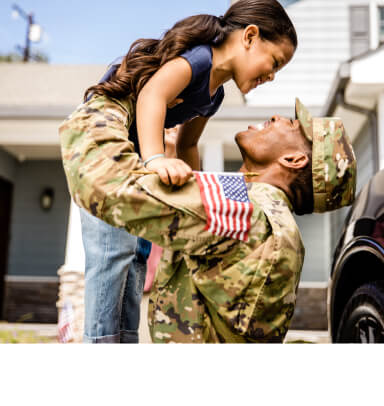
{"x": 71, "y": 286}
{"x": 213, "y": 156}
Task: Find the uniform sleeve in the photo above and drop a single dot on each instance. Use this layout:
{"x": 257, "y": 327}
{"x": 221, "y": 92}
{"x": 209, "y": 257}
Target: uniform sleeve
{"x": 98, "y": 157}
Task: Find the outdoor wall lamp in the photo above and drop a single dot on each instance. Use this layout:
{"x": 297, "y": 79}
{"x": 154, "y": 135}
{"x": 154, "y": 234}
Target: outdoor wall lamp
{"x": 46, "y": 198}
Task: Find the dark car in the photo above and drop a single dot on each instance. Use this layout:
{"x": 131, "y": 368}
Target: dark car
{"x": 356, "y": 289}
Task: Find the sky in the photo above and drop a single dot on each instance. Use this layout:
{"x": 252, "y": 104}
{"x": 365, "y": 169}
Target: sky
{"x": 94, "y": 31}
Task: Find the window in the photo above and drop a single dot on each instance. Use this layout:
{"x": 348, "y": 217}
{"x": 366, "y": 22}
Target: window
{"x": 360, "y": 27}
{"x": 381, "y": 25}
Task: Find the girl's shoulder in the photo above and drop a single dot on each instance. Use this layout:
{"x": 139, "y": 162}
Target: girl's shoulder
{"x": 198, "y": 52}
{"x": 200, "y": 59}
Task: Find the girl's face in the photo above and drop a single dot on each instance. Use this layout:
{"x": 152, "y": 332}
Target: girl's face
{"x": 259, "y": 61}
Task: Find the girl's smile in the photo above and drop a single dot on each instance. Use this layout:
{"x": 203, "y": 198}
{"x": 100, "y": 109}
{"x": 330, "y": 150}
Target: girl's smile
{"x": 248, "y": 59}
{"x": 264, "y": 60}
{"x": 258, "y": 60}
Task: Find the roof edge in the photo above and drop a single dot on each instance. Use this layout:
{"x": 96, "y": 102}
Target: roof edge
{"x": 339, "y": 83}
{"x": 35, "y": 112}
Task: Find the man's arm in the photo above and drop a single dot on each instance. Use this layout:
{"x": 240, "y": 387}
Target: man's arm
{"x": 98, "y": 161}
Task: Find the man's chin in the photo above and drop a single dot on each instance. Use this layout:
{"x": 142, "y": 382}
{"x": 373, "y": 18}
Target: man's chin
{"x": 245, "y": 90}
{"x": 238, "y": 139}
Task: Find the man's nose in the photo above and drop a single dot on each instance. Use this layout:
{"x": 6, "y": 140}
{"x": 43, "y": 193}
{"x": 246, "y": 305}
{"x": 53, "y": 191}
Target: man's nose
{"x": 276, "y": 117}
{"x": 271, "y": 77}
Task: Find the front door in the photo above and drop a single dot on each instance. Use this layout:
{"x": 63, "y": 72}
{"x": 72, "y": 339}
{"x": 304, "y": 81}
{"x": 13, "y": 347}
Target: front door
{"x": 6, "y": 189}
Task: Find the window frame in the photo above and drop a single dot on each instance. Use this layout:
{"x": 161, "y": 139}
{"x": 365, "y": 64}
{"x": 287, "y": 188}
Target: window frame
{"x": 380, "y": 13}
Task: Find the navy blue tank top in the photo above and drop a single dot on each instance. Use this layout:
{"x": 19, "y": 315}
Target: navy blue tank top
{"x": 196, "y": 98}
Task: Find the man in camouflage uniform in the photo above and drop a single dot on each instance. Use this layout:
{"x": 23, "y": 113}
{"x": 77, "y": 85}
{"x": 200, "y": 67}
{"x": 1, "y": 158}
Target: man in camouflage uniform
{"x": 211, "y": 288}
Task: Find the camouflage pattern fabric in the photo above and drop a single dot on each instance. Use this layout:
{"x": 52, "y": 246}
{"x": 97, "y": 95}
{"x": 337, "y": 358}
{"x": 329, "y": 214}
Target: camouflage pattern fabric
{"x": 241, "y": 292}
{"x": 208, "y": 288}
{"x": 333, "y": 160}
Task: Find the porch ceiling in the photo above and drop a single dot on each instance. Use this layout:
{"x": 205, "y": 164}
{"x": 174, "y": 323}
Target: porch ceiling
{"x": 33, "y": 152}
{"x": 366, "y": 80}
{"x": 363, "y": 94}
{"x": 359, "y": 83}
{"x": 30, "y": 138}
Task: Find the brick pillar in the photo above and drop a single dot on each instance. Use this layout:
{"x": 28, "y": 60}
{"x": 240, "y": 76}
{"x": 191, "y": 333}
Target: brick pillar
{"x": 71, "y": 274}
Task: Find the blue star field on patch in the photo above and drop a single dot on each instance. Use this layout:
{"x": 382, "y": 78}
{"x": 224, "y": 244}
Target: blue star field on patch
{"x": 234, "y": 188}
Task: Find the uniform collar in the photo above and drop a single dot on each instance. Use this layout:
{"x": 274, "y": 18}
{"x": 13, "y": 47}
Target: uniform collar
{"x": 256, "y": 187}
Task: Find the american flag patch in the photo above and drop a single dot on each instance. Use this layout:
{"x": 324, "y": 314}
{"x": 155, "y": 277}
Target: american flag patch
{"x": 226, "y": 204}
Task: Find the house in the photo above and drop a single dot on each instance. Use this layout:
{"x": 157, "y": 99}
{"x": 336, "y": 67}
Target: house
{"x": 357, "y": 96}
{"x": 41, "y": 229}
{"x": 35, "y": 99}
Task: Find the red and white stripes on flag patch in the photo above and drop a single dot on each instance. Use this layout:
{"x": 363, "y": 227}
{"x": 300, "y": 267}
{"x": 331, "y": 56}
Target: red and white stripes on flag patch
{"x": 226, "y": 204}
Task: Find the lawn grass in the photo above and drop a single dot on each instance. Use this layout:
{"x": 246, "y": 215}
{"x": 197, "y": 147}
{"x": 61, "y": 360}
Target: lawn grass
{"x": 21, "y": 336}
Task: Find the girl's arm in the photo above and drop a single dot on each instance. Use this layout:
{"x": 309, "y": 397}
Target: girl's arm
{"x": 187, "y": 139}
{"x": 161, "y": 90}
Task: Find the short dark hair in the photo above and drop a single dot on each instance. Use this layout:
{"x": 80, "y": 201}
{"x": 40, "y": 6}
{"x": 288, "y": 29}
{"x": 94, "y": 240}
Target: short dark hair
{"x": 302, "y": 189}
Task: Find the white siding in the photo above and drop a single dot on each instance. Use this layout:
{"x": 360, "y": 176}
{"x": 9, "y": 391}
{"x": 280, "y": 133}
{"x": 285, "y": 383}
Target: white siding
{"x": 323, "y": 43}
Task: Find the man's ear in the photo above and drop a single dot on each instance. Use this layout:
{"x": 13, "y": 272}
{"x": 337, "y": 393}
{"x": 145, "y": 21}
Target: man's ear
{"x": 295, "y": 160}
{"x": 251, "y": 32}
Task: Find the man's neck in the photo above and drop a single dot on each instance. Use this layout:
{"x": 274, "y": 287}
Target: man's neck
{"x": 271, "y": 174}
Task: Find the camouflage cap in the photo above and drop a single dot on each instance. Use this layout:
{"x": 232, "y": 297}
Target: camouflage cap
{"x": 333, "y": 160}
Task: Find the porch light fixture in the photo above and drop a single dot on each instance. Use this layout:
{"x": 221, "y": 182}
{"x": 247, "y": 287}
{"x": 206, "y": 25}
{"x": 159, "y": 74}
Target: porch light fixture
{"x": 46, "y": 198}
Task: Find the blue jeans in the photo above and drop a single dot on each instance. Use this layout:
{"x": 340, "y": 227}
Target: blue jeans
{"x": 115, "y": 268}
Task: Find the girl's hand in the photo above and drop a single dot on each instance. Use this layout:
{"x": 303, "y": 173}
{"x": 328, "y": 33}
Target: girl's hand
{"x": 172, "y": 171}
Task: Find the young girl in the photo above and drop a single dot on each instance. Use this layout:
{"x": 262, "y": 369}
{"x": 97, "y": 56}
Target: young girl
{"x": 176, "y": 80}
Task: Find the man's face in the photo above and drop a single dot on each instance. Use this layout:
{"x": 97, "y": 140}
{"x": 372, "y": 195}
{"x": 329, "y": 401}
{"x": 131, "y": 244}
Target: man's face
{"x": 264, "y": 144}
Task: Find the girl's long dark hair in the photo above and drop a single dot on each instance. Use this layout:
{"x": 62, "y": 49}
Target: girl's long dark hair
{"x": 145, "y": 56}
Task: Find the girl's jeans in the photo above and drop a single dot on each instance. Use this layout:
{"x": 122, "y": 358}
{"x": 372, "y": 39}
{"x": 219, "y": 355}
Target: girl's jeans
{"x": 115, "y": 268}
